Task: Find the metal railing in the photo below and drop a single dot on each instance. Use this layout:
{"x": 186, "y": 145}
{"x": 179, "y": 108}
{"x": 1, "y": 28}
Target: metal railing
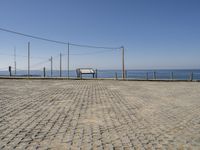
{"x": 187, "y": 75}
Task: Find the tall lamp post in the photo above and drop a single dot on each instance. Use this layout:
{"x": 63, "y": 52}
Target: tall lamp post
{"x": 28, "y": 59}
{"x": 51, "y": 60}
{"x": 68, "y": 60}
{"x": 123, "y": 66}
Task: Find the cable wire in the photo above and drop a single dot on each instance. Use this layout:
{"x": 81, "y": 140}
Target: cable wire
{"x": 90, "y": 53}
{"x": 89, "y": 46}
{"x": 55, "y": 41}
{"x": 32, "y": 36}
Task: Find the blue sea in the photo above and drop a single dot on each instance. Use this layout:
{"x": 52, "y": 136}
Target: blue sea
{"x": 163, "y": 74}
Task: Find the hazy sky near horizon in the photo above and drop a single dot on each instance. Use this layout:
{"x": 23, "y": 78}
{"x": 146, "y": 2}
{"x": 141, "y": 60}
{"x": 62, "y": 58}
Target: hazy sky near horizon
{"x": 156, "y": 34}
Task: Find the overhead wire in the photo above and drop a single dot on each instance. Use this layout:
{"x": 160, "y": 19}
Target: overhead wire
{"x": 42, "y": 62}
{"x": 90, "y": 53}
{"x": 55, "y": 41}
{"x": 107, "y": 49}
{"x": 90, "y": 46}
{"x": 32, "y": 36}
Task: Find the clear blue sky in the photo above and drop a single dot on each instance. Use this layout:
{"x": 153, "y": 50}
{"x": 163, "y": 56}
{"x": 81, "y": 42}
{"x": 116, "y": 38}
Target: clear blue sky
{"x": 155, "y": 33}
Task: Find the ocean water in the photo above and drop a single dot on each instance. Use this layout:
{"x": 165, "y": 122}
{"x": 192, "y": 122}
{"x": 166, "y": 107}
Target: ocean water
{"x": 163, "y": 74}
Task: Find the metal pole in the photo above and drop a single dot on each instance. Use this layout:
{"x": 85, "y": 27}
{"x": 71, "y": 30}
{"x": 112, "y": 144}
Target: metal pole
{"x": 44, "y": 71}
{"x": 172, "y": 75}
{"x": 147, "y": 76}
{"x": 68, "y": 61}
{"x": 123, "y": 68}
{"x": 15, "y": 60}
{"x": 28, "y": 59}
{"x": 10, "y": 71}
{"x": 51, "y": 66}
{"x": 115, "y": 75}
{"x": 154, "y": 75}
{"x": 60, "y": 65}
{"x": 191, "y": 76}
{"x": 96, "y": 73}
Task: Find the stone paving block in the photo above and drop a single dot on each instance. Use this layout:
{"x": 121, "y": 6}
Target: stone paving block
{"x": 95, "y": 114}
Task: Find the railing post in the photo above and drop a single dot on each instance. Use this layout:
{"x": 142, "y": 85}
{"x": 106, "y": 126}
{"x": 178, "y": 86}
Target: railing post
{"x": 44, "y": 72}
{"x": 191, "y": 76}
{"x": 172, "y": 75}
{"x": 116, "y": 76}
{"x": 10, "y": 71}
{"x": 147, "y": 76}
{"x": 154, "y": 75}
{"x": 96, "y": 73}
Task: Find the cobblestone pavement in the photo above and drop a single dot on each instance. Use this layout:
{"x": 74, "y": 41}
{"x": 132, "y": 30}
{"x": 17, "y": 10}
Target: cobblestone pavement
{"x": 89, "y": 114}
